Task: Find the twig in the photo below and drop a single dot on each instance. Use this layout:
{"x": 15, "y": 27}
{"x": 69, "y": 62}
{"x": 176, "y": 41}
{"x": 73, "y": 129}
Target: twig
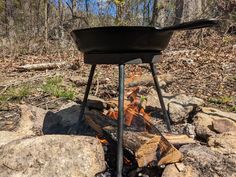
{"x": 4, "y": 89}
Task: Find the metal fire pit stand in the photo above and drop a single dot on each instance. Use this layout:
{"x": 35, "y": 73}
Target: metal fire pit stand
{"x": 121, "y": 59}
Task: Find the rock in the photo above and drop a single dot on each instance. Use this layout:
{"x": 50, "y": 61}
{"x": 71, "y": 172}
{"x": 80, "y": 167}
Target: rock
{"x": 23, "y": 119}
{"x": 180, "y": 106}
{"x": 147, "y": 80}
{"x": 189, "y": 129}
{"x": 173, "y": 170}
{"x": 203, "y": 124}
{"x": 61, "y": 121}
{"x": 51, "y": 124}
{"x": 223, "y": 125}
{"x": 52, "y": 155}
{"x": 218, "y": 113}
{"x": 70, "y": 104}
{"x": 9, "y": 118}
{"x": 206, "y": 162}
{"x": 224, "y": 143}
{"x": 167, "y": 78}
{"x": 210, "y": 121}
{"x": 38, "y": 117}
{"x": 8, "y": 136}
{"x": 96, "y": 103}
{"x": 31, "y": 121}
{"x": 82, "y": 81}
{"x": 170, "y": 170}
{"x": 26, "y": 121}
{"x": 178, "y": 113}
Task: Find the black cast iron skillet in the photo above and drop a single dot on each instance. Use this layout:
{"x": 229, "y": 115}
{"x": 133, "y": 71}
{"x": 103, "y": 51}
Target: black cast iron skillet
{"x": 120, "y": 39}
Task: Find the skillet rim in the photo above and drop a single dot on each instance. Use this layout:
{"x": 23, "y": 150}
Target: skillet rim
{"x": 101, "y": 28}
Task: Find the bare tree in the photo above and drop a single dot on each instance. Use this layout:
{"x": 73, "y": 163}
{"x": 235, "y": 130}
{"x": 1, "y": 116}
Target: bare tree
{"x": 60, "y": 8}
{"x": 9, "y": 17}
{"x": 179, "y": 11}
{"x": 73, "y": 3}
{"x": 46, "y": 21}
{"x": 154, "y": 13}
{"x": 72, "y": 8}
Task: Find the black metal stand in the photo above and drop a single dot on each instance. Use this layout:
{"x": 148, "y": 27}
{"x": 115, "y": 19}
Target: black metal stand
{"x": 120, "y": 121}
{"x": 129, "y": 59}
{"x": 76, "y": 128}
{"x": 158, "y": 89}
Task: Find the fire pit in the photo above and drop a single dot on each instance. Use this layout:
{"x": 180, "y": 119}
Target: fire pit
{"x": 126, "y": 45}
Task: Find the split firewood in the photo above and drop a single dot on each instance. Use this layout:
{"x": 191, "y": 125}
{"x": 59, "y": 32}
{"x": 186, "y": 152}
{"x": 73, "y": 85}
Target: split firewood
{"x": 138, "y": 122}
{"x": 41, "y": 66}
{"x": 148, "y": 148}
{"x": 151, "y": 148}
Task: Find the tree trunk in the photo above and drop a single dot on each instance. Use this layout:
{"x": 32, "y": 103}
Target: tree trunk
{"x": 167, "y": 12}
{"x": 46, "y": 21}
{"x": 154, "y": 13}
{"x": 73, "y": 2}
{"x": 87, "y": 7}
{"x": 38, "y": 15}
{"x": 60, "y": 9}
{"x": 9, "y": 18}
{"x": 179, "y": 11}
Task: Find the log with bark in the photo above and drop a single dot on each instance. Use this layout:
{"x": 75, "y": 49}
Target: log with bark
{"x": 148, "y": 148}
{"x": 41, "y": 66}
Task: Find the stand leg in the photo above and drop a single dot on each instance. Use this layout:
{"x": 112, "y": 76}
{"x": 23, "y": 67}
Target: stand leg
{"x": 75, "y": 129}
{"x": 158, "y": 89}
{"x": 120, "y": 121}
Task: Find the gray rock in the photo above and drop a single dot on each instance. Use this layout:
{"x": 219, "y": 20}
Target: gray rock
{"x": 180, "y": 106}
{"x": 207, "y": 122}
{"x": 203, "y": 124}
{"x": 8, "y": 136}
{"x": 52, "y": 155}
{"x": 38, "y": 115}
{"x": 224, "y": 143}
{"x": 174, "y": 170}
{"x": 189, "y": 129}
{"x": 208, "y": 163}
{"x": 147, "y": 80}
{"x": 70, "y": 104}
{"x": 62, "y": 121}
{"x": 223, "y": 125}
{"x": 9, "y": 118}
{"x": 31, "y": 121}
{"x": 96, "y": 103}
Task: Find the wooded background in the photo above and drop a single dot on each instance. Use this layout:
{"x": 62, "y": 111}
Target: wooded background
{"x": 43, "y": 26}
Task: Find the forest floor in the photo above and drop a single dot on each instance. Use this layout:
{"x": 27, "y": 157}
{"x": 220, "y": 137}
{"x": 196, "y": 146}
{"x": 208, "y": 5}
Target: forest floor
{"x": 205, "y": 72}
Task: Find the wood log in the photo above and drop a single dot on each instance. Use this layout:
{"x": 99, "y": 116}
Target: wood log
{"x": 151, "y": 148}
{"x": 148, "y": 148}
{"x": 41, "y": 66}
